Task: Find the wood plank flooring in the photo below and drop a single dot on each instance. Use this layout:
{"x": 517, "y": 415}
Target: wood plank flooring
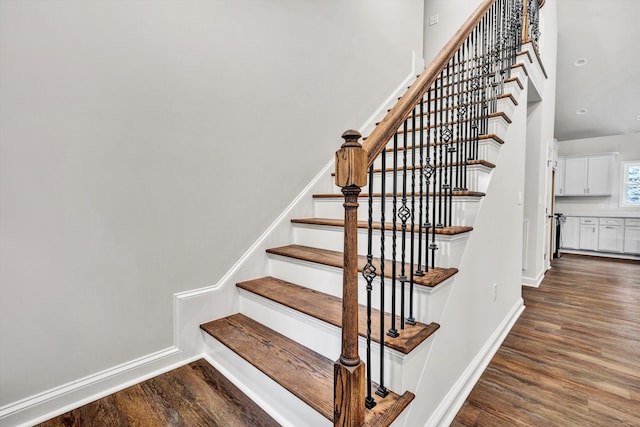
{"x": 192, "y": 395}
{"x": 573, "y": 358}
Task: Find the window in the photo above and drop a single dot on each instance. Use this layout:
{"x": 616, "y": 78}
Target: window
{"x": 630, "y": 184}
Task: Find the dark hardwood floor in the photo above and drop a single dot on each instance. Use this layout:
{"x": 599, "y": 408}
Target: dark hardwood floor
{"x": 573, "y": 358}
{"x": 192, "y": 396}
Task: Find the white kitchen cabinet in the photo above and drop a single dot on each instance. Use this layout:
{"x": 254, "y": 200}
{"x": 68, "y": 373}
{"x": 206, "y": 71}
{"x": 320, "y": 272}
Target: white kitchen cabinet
{"x": 575, "y": 176}
{"x": 570, "y": 233}
{"x": 589, "y": 234}
{"x": 559, "y": 177}
{"x": 587, "y": 176}
{"x": 611, "y": 235}
{"x": 632, "y": 236}
{"x": 599, "y": 175}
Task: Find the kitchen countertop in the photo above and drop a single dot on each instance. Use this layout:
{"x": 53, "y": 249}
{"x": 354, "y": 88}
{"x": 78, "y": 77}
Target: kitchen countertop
{"x": 603, "y": 214}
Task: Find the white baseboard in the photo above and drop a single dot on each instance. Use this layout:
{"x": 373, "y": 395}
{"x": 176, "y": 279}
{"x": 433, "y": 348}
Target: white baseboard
{"x": 533, "y": 282}
{"x": 455, "y": 398}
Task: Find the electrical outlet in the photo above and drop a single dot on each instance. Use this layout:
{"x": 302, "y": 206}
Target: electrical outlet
{"x": 495, "y": 291}
{"x": 433, "y": 20}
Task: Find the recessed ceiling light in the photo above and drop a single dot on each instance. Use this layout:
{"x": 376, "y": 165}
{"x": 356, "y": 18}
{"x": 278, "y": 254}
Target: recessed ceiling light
{"x": 580, "y": 62}
{"x": 581, "y": 111}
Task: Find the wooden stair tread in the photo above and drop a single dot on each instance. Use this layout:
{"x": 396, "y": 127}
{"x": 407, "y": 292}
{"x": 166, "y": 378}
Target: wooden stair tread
{"x": 328, "y": 308}
{"x": 431, "y": 278}
{"x": 377, "y": 195}
{"x": 454, "y": 106}
{"x": 481, "y": 162}
{"x": 455, "y": 141}
{"x": 305, "y": 373}
{"x": 439, "y": 165}
{"x": 455, "y": 122}
{"x": 500, "y": 114}
{"x": 449, "y": 231}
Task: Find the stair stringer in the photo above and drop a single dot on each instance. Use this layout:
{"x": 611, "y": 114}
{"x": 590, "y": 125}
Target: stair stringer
{"x": 473, "y": 322}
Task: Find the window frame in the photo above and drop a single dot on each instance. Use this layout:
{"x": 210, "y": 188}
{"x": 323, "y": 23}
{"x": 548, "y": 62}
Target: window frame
{"x": 625, "y": 183}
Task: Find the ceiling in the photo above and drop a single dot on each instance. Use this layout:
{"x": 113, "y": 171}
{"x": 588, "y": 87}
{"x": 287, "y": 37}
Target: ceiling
{"x": 607, "y": 34}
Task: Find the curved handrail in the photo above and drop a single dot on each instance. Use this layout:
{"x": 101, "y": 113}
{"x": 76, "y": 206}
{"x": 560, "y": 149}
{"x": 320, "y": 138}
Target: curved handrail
{"x": 385, "y": 130}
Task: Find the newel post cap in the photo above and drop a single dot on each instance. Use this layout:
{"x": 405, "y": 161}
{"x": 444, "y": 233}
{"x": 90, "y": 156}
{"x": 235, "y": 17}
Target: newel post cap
{"x": 351, "y": 137}
{"x": 351, "y": 161}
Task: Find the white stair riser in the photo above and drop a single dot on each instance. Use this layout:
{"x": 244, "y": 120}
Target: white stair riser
{"x": 478, "y": 177}
{"x": 504, "y": 105}
{"x": 488, "y": 150}
{"x": 257, "y": 385}
{"x": 449, "y": 252}
{"x": 497, "y": 125}
{"x": 321, "y": 337}
{"x": 464, "y": 209}
{"x": 329, "y": 280}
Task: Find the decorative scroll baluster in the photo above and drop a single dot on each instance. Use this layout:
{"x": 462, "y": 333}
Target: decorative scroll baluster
{"x": 369, "y": 273}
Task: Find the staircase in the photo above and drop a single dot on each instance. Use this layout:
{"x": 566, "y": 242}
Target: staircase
{"x": 287, "y": 334}
{"x": 283, "y": 343}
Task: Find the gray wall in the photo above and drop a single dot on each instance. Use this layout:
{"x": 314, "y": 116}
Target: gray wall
{"x": 145, "y": 145}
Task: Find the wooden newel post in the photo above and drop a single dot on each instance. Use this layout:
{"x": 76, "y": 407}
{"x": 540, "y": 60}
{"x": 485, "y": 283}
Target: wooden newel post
{"x": 349, "y": 372}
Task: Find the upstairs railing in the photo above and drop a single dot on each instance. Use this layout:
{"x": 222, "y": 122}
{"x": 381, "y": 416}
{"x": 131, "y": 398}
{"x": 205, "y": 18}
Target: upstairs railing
{"x": 413, "y": 163}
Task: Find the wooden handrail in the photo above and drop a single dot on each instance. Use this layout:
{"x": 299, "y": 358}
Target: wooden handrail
{"x": 385, "y": 130}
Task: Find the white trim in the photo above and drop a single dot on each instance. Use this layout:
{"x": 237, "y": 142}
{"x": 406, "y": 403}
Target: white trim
{"x": 457, "y": 395}
{"x": 533, "y": 282}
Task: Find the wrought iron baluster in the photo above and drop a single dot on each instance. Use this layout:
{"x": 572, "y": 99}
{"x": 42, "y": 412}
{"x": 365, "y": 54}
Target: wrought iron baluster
{"x": 428, "y": 173}
{"x": 451, "y": 149}
{"x": 419, "y": 272}
{"x": 410, "y": 319}
{"x": 440, "y": 159}
{"x": 404, "y": 215}
{"x": 369, "y": 274}
{"x": 382, "y": 390}
{"x": 393, "y": 332}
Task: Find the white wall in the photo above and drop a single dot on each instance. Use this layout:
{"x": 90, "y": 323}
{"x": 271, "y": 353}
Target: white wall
{"x": 451, "y": 15}
{"x": 540, "y": 127}
{"x": 628, "y": 147}
{"x": 145, "y": 145}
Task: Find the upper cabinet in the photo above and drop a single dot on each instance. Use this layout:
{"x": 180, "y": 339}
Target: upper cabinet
{"x": 584, "y": 175}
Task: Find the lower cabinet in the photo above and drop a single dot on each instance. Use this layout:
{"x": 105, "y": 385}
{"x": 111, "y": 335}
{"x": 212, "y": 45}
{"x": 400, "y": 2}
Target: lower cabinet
{"x": 611, "y": 235}
{"x": 632, "y": 236}
{"x": 589, "y": 234}
{"x": 570, "y": 233}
